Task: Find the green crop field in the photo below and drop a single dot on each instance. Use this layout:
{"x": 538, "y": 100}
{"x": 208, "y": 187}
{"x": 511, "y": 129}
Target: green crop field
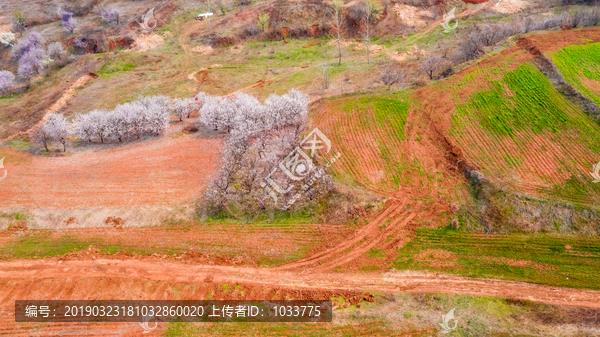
{"x": 525, "y": 134}
{"x": 368, "y": 131}
{"x": 580, "y": 65}
{"x": 542, "y": 258}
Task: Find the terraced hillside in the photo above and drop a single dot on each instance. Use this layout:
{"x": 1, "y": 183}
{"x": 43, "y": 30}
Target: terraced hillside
{"x": 513, "y": 125}
{"x": 580, "y": 65}
{"x": 524, "y": 134}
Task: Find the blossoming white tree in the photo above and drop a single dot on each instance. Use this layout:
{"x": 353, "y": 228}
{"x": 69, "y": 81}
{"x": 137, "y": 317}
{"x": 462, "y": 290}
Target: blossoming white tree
{"x": 259, "y": 137}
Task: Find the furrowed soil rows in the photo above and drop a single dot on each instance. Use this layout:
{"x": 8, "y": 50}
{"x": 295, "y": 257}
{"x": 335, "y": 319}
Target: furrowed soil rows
{"x": 539, "y": 139}
{"x": 370, "y": 230}
{"x": 514, "y": 126}
{"x": 580, "y": 66}
{"x": 167, "y": 170}
{"x": 369, "y": 135}
{"x": 542, "y": 258}
{"x": 271, "y": 244}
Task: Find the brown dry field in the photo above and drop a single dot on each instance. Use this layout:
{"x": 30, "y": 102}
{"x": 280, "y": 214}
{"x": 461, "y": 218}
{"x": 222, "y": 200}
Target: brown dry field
{"x": 160, "y": 171}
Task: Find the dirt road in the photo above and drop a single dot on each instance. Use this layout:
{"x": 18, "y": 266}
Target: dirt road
{"x": 265, "y": 277}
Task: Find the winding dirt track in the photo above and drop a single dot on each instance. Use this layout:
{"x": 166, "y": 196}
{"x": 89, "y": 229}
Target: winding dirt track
{"x": 364, "y": 239}
{"x": 265, "y": 277}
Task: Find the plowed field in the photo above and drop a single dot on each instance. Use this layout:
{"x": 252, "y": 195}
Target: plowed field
{"x": 513, "y": 125}
{"x": 163, "y": 171}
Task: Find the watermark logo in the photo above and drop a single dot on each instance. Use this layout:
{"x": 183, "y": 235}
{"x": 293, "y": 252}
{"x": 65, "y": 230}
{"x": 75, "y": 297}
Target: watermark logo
{"x": 298, "y": 165}
{"x": 145, "y": 24}
{"x": 596, "y": 173}
{"x": 3, "y": 169}
{"x": 446, "y": 319}
{"x": 146, "y": 326}
{"x": 446, "y": 24}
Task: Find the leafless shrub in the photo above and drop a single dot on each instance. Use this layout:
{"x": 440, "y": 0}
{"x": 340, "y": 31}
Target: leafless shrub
{"x": 489, "y": 34}
{"x": 532, "y": 24}
{"x": 556, "y": 21}
{"x": 248, "y": 31}
{"x": 470, "y": 48}
{"x": 585, "y": 18}
{"x": 430, "y": 65}
{"x": 18, "y": 27}
{"x": 325, "y": 79}
{"x": 391, "y": 74}
{"x": 299, "y": 32}
{"x": 446, "y": 69}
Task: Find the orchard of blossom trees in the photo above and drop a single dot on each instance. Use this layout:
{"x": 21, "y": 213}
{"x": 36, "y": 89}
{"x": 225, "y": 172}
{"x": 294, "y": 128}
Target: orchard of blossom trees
{"x": 260, "y": 137}
{"x": 31, "y": 56}
{"x": 128, "y": 121}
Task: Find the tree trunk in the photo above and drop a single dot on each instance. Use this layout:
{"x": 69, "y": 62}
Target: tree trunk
{"x": 339, "y": 51}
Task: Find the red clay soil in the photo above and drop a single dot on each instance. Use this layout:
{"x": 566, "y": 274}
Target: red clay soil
{"x": 133, "y": 289}
{"x": 160, "y": 171}
{"x": 241, "y": 244}
{"x": 13, "y": 276}
{"x": 358, "y": 243}
{"x": 557, "y": 40}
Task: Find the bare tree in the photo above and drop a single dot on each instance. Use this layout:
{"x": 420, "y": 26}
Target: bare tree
{"x": 372, "y": 12}
{"x": 39, "y": 135}
{"x": 430, "y": 65}
{"x": 209, "y": 5}
{"x": 337, "y": 21}
{"x": 391, "y": 73}
{"x": 325, "y": 78}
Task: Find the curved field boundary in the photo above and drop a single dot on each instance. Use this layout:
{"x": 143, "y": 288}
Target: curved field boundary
{"x": 580, "y": 66}
{"x": 370, "y": 231}
{"x": 511, "y": 123}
